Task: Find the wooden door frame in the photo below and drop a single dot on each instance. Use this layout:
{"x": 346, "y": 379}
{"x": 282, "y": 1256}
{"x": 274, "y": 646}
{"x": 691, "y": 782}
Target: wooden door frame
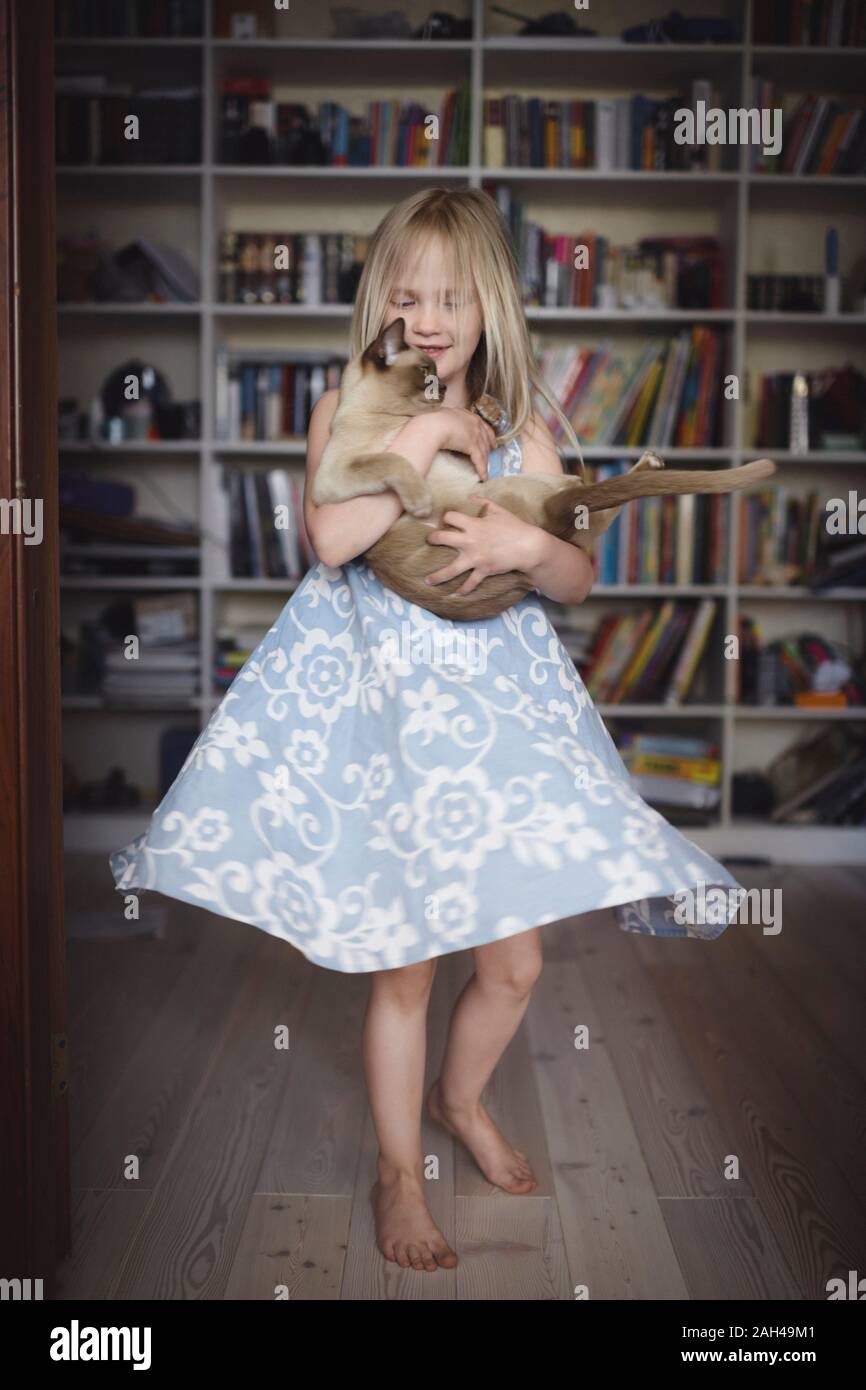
{"x": 34, "y": 1162}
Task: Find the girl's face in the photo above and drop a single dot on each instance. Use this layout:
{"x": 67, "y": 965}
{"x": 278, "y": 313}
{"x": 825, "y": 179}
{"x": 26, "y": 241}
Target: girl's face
{"x": 448, "y": 334}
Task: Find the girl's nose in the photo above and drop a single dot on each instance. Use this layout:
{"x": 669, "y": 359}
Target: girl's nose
{"x": 425, "y": 320}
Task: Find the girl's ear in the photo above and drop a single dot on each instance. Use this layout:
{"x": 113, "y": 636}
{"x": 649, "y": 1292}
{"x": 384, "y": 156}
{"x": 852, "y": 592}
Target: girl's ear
{"x": 382, "y": 351}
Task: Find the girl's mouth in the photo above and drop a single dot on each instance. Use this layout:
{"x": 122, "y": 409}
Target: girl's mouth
{"x": 435, "y": 351}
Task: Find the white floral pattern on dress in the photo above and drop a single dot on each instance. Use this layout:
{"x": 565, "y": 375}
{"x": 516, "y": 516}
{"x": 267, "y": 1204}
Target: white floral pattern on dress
{"x": 374, "y": 810}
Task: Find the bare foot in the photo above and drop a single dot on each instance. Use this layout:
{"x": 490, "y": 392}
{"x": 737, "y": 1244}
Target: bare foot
{"x": 405, "y": 1230}
{"x": 501, "y": 1164}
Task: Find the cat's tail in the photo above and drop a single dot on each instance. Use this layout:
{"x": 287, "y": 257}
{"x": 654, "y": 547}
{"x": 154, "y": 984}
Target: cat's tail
{"x": 562, "y": 517}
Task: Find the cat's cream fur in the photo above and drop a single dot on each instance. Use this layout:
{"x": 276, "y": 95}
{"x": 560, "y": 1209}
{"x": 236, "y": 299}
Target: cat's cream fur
{"x": 381, "y": 389}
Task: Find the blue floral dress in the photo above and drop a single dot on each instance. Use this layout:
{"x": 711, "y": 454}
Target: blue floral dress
{"x": 381, "y": 786}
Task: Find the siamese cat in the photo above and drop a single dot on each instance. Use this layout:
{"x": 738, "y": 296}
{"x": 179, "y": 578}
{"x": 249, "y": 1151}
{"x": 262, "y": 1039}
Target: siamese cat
{"x": 381, "y": 389}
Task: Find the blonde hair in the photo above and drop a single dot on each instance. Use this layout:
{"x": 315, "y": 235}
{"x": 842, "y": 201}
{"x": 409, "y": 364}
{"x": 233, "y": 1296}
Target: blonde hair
{"x": 473, "y": 229}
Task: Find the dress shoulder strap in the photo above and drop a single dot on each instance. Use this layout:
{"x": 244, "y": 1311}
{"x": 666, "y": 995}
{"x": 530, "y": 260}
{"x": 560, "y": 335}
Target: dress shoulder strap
{"x": 511, "y": 456}
{"x": 504, "y": 459}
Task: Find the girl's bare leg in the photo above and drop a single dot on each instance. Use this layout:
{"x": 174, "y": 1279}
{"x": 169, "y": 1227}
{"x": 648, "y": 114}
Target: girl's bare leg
{"x": 485, "y": 1019}
{"x": 394, "y": 1049}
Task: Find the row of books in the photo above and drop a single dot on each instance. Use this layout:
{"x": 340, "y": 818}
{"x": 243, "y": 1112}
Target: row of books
{"x": 806, "y": 670}
{"x": 657, "y": 273}
{"x": 267, "y": 535}
{"x": 91, "y": 122}
{"x": 796, "y": 294}
{"x": 325, "y": 268}
{"x": 636, "y": 132}
{"x": 663, "y": 540}
{"x": 128, "y": 19}
{"x": 673, "y": 769}
{"x": 810, "y": 23}
{"x": 778, "y": 536}
{"x": 290, "y": 267}
{"x": 667, "y": 396}
{"x": 255, "y": 129}
{"x": 650, "y": 656}
{"x": 270, "y": 396}
{"x": 584, "y": 269}
{"x": 820, "y": 136}
{"x": 823, "y": 409}
{"x": 784, "y": 540}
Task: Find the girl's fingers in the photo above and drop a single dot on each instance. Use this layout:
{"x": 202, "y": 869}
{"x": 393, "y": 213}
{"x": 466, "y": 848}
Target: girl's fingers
{"x": 449, "y": 572}
{"x": 451, "y": 538}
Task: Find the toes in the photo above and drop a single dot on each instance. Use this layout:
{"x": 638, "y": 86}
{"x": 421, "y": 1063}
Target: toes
{"x": 415, "y": 1257}
{"x": 402, "y": 1257}
{"x": 445, "y": 1256}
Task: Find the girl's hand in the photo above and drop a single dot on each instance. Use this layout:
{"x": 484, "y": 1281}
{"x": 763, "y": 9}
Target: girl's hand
{"x": 482, "y": 541}
{"x": 465, "y": 433}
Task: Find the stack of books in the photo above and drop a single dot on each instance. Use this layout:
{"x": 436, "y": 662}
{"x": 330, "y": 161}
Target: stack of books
{"x": 162, "y": 675}
{"x": 666, "y": 396}
{"x": 621, "y": 133}
{"x": 255, "y": 129}
{"x": 841, "y": 561}
{"x": 662, "y": 540}
{"x": 165, "y": 670}
{"x": 268, "y": 538}
{"x": 314, "y": 267}
{"x": 649, "y": 656}
{"x": 235, "y": 645}
{"x": 270, "y": 395}
{"x": 821, "y": 779}
{"x": 671, "y": 770}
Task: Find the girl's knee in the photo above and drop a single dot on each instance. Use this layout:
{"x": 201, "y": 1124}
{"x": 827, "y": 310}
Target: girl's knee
{"x": 406, "y": 984}
{"x": 514, "y": 972}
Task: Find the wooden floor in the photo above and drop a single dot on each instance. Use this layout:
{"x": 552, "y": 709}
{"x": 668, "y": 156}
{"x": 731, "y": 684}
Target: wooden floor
{"x": 709, "y": 1144}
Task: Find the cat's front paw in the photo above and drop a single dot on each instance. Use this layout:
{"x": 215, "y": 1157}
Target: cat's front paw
{"x": 417, "y": 499}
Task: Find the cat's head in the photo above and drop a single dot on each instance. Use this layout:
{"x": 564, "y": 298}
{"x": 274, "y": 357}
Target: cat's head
{"x": 404, "y": 378}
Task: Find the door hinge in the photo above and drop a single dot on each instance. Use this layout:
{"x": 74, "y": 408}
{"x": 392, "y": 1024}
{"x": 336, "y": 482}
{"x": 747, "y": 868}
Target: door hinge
{"x": 59, "y": 1065}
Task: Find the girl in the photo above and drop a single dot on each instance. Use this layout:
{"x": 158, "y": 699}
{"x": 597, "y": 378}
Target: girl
{"x": 379, "y": 786}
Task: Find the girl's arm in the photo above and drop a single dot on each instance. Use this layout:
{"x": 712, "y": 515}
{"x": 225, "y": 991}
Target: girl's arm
{"x": 558, "y": 569}
{"x": 341, "y": 530}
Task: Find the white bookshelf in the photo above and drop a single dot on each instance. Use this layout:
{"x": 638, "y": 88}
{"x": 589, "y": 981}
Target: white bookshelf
{"x": 490, "y": 62}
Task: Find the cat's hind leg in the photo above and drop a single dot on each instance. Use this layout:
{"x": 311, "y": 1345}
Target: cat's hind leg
{"x": 368, "y": 474}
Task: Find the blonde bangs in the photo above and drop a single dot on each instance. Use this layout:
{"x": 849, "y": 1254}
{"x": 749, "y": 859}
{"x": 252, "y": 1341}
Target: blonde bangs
{"x": 478, "y": 243}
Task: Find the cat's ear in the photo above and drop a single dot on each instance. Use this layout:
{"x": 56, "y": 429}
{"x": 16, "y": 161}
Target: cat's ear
{"x": 383, "y": 350}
